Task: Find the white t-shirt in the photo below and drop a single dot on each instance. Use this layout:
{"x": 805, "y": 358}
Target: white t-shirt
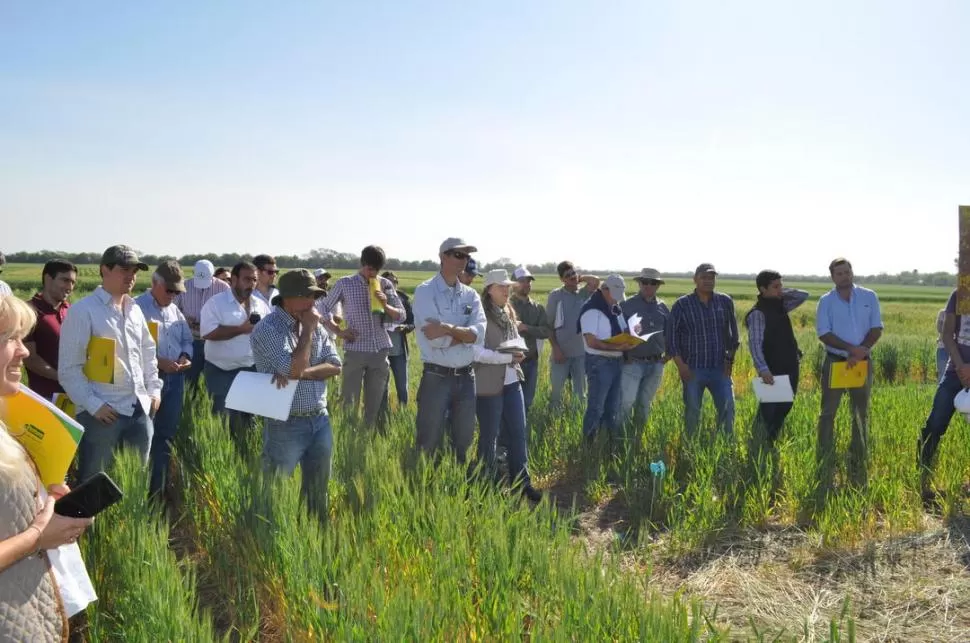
{"x": 597, "y": 324}
{"x": 224, "y": 310}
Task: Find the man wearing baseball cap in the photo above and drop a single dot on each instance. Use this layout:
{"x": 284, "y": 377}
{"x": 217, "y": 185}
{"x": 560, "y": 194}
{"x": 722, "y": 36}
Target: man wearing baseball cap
{"x": 468, "y": 274}
{"x": 702, "y": 340}
{"x": 173, "y": 340}
{"x": 198, "y": 290}
{"x": 601, "y": 319}
{"x": 116, "y": 403}
{"x": 451, "y": 323}
{"x": 643, "y": 367}
{"x": 532, "y": 327}
{"x": 291, "y": 344}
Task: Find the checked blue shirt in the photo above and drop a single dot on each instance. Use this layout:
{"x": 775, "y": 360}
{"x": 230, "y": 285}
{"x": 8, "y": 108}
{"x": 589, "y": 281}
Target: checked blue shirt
{"x": 274, "y": 339}
{"x": 703, "y": 335}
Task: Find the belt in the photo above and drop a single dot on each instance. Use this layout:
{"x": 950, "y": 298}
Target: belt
{"x": 309, "y": 414}
{"x": 658, "y": 358}
{"x": 840, "y": 358}
{"x": 447, "y": 370}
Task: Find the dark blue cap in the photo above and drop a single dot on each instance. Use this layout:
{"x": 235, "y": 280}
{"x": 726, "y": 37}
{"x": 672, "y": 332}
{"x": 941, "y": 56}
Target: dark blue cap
{"x": 472, "y": 268}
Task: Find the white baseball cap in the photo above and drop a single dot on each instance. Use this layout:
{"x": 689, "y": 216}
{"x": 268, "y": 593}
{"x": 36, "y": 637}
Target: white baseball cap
{"x": 319, "y": 272}
{"x": 456, "y": 243}
{"x": 497, "y": 277}
{"x": 521, "y": 273}
{"x": 202, "y": 276}
{"x": 617, "y": 287}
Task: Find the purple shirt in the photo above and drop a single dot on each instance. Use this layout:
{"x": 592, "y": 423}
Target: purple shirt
{"x": 353, "y": 292}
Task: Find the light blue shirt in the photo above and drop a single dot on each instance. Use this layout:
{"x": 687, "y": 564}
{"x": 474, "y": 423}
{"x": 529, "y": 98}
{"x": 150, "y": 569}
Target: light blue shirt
{"x": 174, "y": 334}
{"x": 850, "y": 320}
{"x": 458, "y": 305}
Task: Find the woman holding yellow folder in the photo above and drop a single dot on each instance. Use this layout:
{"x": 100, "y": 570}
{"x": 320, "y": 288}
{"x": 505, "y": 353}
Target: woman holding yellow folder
{"x": 29, "y": 528}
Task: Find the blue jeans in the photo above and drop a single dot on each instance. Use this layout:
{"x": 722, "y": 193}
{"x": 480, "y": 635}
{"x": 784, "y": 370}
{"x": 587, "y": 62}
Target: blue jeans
{"x": 198, "y": 362}
{"x": 219, "y": 382}
{"x": 574, "y": 368}
{"x": 640, "y": 381}
{"x": 603, "y": 399}
{"x": 722, "y": 391}
{"x": 307, "y": 441}
{"x": 437, "y": 394}
{"x": 530, "y": 369}
{"x": 96, "y": 450}
{"x": 939, "y": 418}
{"x": 165, "y": 423}
{"x": 399, "y": 371}
{"x": 941, "y": 359}
{"x": 505, "y": 410}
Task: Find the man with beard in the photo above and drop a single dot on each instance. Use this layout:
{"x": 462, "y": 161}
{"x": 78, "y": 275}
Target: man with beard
{"x": 59, "y": 279}
{"x": 116, "y": 404}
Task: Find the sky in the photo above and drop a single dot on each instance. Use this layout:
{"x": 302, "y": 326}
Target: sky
{"x": 618, "y": 134}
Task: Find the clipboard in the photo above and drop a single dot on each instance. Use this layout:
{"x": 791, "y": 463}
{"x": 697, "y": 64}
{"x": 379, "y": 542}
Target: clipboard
{"x": 841, "y": 376}
{"x": 99, "y": 366}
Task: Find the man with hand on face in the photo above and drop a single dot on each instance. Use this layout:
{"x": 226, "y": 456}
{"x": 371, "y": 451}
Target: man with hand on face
{"x": 227, "y": 320}
{"x": 116, "y": 405}
{"x": 292, "y": 345}
{"x": 702, "y": 340}
{"x": 849, "y": 324}
{"x": 43, "y": 342}
{"x": 174, "y": 351}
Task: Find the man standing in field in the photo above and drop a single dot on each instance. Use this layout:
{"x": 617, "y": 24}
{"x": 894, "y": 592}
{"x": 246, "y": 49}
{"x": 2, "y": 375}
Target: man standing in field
{"x": 266, "y": 272}
{"x": 198, "y": 290}
{"x": 51, "y": 303}
{"x": 643, "y": 366}
{"x": 774, "y": 350}
{"x": 563, "y": 308}
{"x": 955, "y": 337}
{"x": 533, "y": 326}
{"x": 848, "y": 324}
{"x": 116, "y": 403}
{"x": 291, "y": 344}
{"x": 702, "y": 340}
{"x": 451, "y": 323}
{"x": 366, "y": 342}
{"x": 469, "y": 272}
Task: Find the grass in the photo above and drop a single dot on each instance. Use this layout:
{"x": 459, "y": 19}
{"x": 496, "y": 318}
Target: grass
{"x": 718, "y": 548}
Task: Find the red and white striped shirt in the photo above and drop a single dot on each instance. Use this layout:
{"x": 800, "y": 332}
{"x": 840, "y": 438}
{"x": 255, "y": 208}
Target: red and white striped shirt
{"x": 191, "y": 301}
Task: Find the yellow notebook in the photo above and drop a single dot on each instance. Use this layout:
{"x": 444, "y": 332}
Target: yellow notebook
{"x": 48, "y": 435}
{"x": 100, "y": 363}
{"x": 844, "y": 377}
{"x": 153, "y": 329}
{"x": 375, "y": 304}
{"x": 64, "y": 403}
{"x": 623, "y": 338}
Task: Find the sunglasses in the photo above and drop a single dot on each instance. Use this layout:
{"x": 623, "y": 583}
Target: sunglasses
{"x": 270, "y": 271}
{"x": 650, "y": 282}
{"x": 461, "y": 256}
{"x": 569, "y": 275}
{"x": 171, "y": 291}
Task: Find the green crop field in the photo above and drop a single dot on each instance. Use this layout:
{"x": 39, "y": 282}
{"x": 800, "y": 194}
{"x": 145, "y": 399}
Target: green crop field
{"x": 717, "y": 548}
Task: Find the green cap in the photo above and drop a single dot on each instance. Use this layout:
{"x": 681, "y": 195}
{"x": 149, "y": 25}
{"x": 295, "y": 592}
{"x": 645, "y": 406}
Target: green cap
{"x": 122, "y": 256}
{"x": 297, "y": 283}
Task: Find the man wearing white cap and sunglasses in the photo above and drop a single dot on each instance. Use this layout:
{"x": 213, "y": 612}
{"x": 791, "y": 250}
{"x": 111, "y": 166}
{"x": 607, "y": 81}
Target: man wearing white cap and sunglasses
{"x": 451, "y": 323}
{"x": 198, "y": 290}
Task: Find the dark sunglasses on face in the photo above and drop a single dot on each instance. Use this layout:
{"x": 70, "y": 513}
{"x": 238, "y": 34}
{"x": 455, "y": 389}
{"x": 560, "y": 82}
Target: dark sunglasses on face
{"x": 171, "y": 291}
{"x": 270, "y": 271}
{"x": 650, "y": 282}
{"x": 461, "y": 256}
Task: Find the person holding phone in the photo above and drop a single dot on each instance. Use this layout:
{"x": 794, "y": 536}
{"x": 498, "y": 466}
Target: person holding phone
{"x": 30, "y": 607}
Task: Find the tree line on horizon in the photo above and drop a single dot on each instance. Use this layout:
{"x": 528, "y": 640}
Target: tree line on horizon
{"x": 333, "y": 259}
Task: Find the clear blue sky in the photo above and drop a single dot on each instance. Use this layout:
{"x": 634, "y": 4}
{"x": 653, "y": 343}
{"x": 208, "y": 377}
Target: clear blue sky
{"x": 617, "y": 134}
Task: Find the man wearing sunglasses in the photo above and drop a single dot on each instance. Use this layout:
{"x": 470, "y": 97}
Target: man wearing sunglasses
{"x": 266, "y": 272}
{"x": 174, "y": 350}
{"x": 643, "y": 367}
{"x": 563, "y": 308}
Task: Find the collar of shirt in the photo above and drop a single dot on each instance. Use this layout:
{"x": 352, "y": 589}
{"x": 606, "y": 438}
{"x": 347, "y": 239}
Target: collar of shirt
{"x": 104, "y": 297}
{"x": 44, "y": 308}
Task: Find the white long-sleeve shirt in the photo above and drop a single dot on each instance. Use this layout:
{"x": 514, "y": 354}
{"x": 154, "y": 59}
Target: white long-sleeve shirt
{"x": 488, "y": 356}
{"x": 136, "y": 378}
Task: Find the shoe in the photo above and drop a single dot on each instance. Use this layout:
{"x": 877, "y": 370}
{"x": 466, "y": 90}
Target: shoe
{"x": 533, "y": 494}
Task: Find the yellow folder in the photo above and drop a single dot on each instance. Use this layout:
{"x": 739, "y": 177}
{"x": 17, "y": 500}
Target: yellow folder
{"x": 844, "y": 377}
{"x": 375, "y": 304}
{"x": 153, "y": 329}
{"x": 48, "y": 435}
{"x": 100, "y": 363}
{"x": 623, "y": 338}
{"x": 64, "y": 403}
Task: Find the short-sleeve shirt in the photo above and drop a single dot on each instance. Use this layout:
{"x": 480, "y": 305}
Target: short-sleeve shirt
{"x": 850, "y": 320}
{"x": 595, "y": 323}
{"x": 224, "y": 310}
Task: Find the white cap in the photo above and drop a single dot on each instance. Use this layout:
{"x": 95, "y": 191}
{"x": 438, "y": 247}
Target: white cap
{"x": 319, "y": 272}
{"x": 202, "y": 276}
{"x": 499, "y": 277}
{"x": 521, "y": 273}
{"x": 617, "y": 287}
{"x": 455, "y": 243}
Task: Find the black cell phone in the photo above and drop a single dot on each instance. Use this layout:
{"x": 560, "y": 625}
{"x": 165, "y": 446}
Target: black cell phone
{"x": 89, "y": 498}
{"x": 254, "y": 318}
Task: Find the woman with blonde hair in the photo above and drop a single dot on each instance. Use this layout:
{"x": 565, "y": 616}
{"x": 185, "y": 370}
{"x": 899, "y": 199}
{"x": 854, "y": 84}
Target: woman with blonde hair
{"x": 498, "y": 385}
{"x": 31, "y": 608}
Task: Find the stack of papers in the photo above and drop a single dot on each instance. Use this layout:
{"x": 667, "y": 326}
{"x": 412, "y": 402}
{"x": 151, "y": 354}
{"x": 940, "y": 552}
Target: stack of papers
{"x": 516, "y": 345}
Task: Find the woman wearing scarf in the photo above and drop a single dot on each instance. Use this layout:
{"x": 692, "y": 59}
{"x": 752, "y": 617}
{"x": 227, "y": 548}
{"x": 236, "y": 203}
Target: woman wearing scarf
{"x": 498, "y": 385}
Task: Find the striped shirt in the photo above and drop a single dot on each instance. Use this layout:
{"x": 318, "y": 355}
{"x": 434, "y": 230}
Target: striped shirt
{"x": 703, "y": 335}
{"x": 5, "y": 289}
{"x": 353, "y": 292}
{"x": 191, "y": 301}
{"x": 136, "y": 371}
{"x": 790, "y": 300}
{"x": 174, "y": 334}
{"x": 273, "y": 341}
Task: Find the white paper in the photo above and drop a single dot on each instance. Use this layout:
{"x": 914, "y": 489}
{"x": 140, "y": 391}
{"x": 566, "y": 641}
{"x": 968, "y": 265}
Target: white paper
{"x": 560, "y": 320}
{"x": 780, "y": 391}
{"x": 257, "y": 394}
{"x": 512, "y": 345}
{"x": 632, "y": 324}
{"x": 73, "y": 581}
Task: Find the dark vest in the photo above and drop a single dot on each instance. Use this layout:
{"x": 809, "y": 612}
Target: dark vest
{"x": 597, "y": 301}
{"x": 780, "y": 347}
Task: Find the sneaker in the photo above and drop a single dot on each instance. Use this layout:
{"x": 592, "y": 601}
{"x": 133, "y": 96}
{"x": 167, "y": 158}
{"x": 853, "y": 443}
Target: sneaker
{"x": 533, "y": 494}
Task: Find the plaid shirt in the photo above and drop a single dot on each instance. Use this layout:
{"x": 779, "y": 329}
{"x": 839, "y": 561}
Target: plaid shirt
{"x": 274, "y": 339}
{"x": 703, "y": 335}
{"x": 353, "y": 292}
{"x": 191, "y": 301}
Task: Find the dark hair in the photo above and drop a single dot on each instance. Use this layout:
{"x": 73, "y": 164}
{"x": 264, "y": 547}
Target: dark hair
{"x": 390, "y": 276}
{"x": 260, "y": 261}
{"x": 838, "y": 261}
{"x": 564, "y": 267}
{"x": 373, "y": 257}
{"x": 242, "y": 265}
{"x": 765, "y": 277}
{"x": 55, "y": 267}
{"x": 219, "y": 271}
